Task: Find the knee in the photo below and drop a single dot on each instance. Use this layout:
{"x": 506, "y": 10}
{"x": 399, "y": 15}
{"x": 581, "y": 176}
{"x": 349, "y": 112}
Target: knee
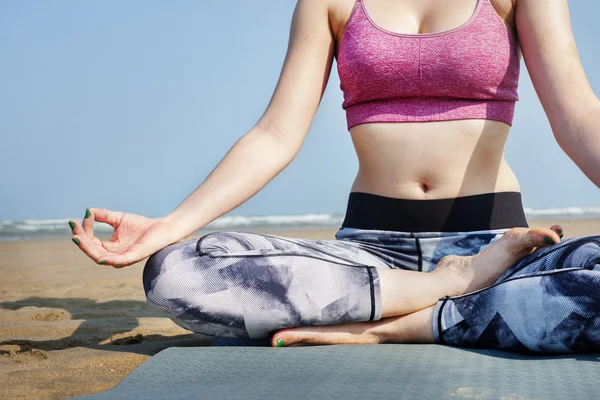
{"x": 186, "y": 285}
{"x": 166, "y": 275}
{"x": 186, "y": 269}
{"x": 155, "y": 267}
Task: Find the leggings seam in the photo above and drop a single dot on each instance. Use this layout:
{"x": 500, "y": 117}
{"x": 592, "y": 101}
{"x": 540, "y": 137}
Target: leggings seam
{"x": 538, "y": 257}
{"x": 419, "y": 255}
{"x": 534, "y": 275}
{"x": 439, "y": 322}
{"x": 283, "y": 252}
{"x": 199, "y": 252}
{"x": 302, "y": 243}
{"x": 372, "y": 289}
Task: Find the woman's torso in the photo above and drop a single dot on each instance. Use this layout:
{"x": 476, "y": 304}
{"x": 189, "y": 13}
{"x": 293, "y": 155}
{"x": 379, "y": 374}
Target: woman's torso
{"x": 428, "y": 160}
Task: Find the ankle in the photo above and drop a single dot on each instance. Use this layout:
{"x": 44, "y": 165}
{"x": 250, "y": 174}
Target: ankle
{"x": 452, "y": 275}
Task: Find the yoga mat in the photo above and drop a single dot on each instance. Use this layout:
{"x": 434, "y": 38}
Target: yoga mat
{"x": 389, "y": 371}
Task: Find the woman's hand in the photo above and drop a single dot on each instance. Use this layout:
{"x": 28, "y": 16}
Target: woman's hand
{"x": 135, "y": 237}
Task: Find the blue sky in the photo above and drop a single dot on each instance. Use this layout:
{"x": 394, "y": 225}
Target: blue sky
{"x": 130, "y": 104}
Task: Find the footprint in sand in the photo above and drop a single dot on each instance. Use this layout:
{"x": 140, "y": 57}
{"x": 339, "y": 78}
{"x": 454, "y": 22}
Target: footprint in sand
{"x": 21, "y": 356}
{"x": 32, "y": 313}
{"x": 50, "y": 316}
{"x": 29, "y": 356}
{"x": 128, "y": 340}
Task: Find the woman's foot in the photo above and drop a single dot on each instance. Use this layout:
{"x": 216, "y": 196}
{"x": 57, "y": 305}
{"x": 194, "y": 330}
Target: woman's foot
{"x": 356, "y": 333}
{"x": 467, "y": 274}
{"x": 411, "y": 328}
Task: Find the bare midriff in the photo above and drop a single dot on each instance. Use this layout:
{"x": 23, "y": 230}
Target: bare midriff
{"x": 432, "y": 160}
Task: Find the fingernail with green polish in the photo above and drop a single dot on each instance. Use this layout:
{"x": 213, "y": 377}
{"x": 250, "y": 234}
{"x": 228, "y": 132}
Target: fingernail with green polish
{"x": 87, "y": 213}
{"x": 549, "y": 240}
{"x": 102, "y": 262}
{"x": 559, "y": 231}
{"x": 72, "y": 225}
{"x": 76, "y": 241}
{"x": 279, "y": 342}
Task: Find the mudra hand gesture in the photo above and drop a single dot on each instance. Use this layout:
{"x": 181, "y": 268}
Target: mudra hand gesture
{"x": 135, "y": 237}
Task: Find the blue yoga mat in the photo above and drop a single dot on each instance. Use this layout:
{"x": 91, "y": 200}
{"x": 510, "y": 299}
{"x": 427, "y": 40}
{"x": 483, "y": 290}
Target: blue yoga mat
{"x": 245, "y": 370}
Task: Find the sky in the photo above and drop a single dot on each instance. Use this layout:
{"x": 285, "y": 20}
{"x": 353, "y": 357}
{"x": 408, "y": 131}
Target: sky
{"x": 130, "y": 104}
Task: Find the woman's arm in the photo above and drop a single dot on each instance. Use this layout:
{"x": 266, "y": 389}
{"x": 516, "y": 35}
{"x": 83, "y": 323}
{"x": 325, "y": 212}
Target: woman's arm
{"x": 551, "y": 56}
{"x": 250, "y": 164}
{"x": 271, "y": 145}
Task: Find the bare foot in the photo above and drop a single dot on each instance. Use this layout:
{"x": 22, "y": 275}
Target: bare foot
{"x": 354, "y": 333}
{"x": 481, "y": 270}
{"x": 468, "y": 273}
{"x": 411, "y": 328}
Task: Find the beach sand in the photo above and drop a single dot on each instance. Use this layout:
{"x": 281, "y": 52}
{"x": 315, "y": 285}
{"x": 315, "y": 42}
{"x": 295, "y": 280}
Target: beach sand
{"x": 69, "y": 327}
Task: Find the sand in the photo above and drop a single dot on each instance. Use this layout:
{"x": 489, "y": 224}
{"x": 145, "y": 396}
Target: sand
{"x": 69, "y": 327}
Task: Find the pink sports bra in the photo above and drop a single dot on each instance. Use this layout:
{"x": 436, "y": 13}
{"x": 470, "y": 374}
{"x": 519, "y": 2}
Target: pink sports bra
{"x": 469, "y": 72}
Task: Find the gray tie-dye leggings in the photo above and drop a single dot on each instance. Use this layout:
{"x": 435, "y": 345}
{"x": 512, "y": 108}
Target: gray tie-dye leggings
{"x": 249, "y": 285}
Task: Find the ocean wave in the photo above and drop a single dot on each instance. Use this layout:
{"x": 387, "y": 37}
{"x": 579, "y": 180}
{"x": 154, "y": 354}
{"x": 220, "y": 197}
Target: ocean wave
{"x": 590, "y": 212}
{"x": 60, "y": 227}
{"x": 30, "y": 228}
{"x": 308, "y": 220}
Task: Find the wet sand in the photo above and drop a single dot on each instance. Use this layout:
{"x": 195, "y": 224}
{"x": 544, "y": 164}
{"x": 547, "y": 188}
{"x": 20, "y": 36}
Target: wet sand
{"x": 69, "y": 327}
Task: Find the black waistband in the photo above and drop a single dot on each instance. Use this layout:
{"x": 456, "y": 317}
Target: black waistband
{"x": 462, "y": 214}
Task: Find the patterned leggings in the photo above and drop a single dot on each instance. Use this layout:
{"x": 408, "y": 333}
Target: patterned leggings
{"x": 244, "y": 285}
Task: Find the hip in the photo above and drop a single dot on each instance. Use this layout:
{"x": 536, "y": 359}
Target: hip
{"x": 416, "y": 234}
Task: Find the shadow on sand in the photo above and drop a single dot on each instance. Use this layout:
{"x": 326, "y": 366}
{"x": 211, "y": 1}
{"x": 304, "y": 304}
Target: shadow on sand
{"x": 100, "y": 323}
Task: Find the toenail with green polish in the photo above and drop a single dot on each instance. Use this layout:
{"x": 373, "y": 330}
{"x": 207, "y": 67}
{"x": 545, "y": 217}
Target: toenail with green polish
{"x": 72, "y": 225}
{"x": 279, "y": 342}
{"x": 76, "y": 241}
{"x": 87, "y": 213}
{"x": 102, "y": 262}
{"x": 549, "y": 240}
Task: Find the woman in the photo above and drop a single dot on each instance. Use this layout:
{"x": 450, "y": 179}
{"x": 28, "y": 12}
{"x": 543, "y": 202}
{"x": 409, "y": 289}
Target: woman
{"x": 429, "y": 91}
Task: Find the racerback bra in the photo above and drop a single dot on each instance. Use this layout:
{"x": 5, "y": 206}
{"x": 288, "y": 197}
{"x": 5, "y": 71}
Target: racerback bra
{"x": 469, "y": 72}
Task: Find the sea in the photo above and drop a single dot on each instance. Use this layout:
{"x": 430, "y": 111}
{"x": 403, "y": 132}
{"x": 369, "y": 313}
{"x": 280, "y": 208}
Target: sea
{"x": 48, "y": 228}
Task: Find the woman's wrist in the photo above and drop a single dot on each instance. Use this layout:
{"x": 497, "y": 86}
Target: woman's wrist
{"x": 181, "y": 227}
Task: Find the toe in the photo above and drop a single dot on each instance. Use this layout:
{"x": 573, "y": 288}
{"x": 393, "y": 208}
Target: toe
{"x": 558, "y": 229}
{"x": 520, "y": 239}
{"x": 283, "y": 337}
{"x": 542, "y": 237}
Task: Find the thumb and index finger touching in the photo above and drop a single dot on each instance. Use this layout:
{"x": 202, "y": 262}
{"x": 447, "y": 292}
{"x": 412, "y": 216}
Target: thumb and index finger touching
{"x": 83, "y": 236}
{"x": 106, "y": 216}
